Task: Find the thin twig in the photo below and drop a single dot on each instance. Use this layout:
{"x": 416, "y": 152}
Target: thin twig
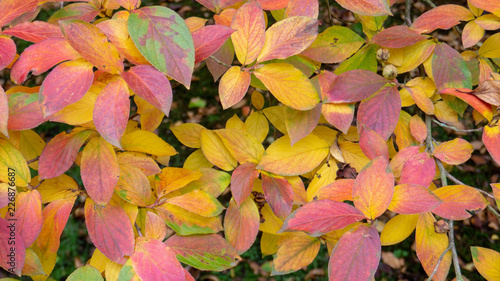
{"x": 133, "y": 116}
{"x": 408, "y": 12}
{"x": 439, "y": 262}
{"x": 138, "y": 229}
{"x": 430, "y": 3}
{"x": 330, "y": 15}
{"x": 220, "y": 62}
{"x": 454, "y": 254}
{"x": 457, "y": 181}
{"x": 494, "y": 212}
{"x": 33, "y": 160}
{"x": 456, "y": 129}
{"x": 39, "y": 183}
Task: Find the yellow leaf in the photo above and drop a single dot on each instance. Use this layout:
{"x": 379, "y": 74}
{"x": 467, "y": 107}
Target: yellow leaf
{"x": 81, "y": 111}
{"x": 257, "y": 100}
{"x": 198, "y": 202}
{"x": 99, "y": 260}
{"x": 275, "y": 115}
{"x": 257, "y": 125}
{"x": 151, "y": 116}
{"x": 353, "y": 155}
{"x": 60, "y": 187}
{"x": 269, "y": 243}
{"x": 489, "y": 49}
{"x": 289, "y": 85}
{"x": 298, "y": 250}
{"x": 487, "y": 262}
{"x": 243, "y": 146}
{"x": 233, "y": 86}
{"x": 30, "y": 146}
{"x": 325, "y": 175}
{"x": 216, "y": 152}
{"x": 398, "y": 229}
{"x": 409, "y": 58}
{"x": 175, "y": 178}
{"x": 13, "y": 166}
{"x": 235, "y": 123}
{"x": 147, "y": 142}
{"x": 188, "y": 134}
{"x": 197, "y": 160}
{"x": 282, "y": 159}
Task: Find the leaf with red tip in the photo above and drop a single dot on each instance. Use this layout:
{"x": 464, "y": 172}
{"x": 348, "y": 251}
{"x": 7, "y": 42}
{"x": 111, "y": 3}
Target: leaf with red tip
{"x": 372, "y": 144}
{"x": 449, "y": 69}
{"x": 288, "y": 37}
{"x": 65, "y": 84}
{"x": 322, "y": 216}
{"x": 309, "y": 8}
{"x": 6, "y": 230}
{"x": 60, "y": 153}
{"x": 11, "y": 9}
{"x": 164, "y": 39}
{"x": 233, "y": 86}
{"x": 29, "y": 215}
{"x": 278, "y": 193}
{"x": 300, "y": 123}
{"x": 85, "y": 12}
{"x": 92, "y": 45}
{"x": 40, "y": 57}
{"x": 459, "y": 202}
{"x": 367, "y": 7}
{"x": 273, "y": 4}
{"x": 418, "y": 129}
{"x": 465, "y": 95}
{"x": 491, "y": 140}
{"x": 241, "y": 225}
{"x": 151, "y": 85}
{"x": 249, "y": 36}
{"x": 339, "y": 190}
{"x": 152, "y": 260}
{"x": 35, "y": 31}
{"x": 413, "y": 199}
{"x": 381, "y": 111}
{"x": 209, "y": 39}
{"x": 489, "y": 5}
{"x": 110, "y": 230}
{"x": 55, "y": 216}
{"x": 442, "y": 17}
{"x": 205, "y": 252}
{"x": 99, "y": 169}
{"x": 242, "y": 181}
{"x": 430, "y": 246}
{"x": 339, "y": 115}
{"x": 354, "y": 85}
{"x": 356, "y": 255}
{"x": 217, "y": 5}
{"x": 398, "y": 161}
{"x": 111, "y": 111}
{"x": 419, "y": 169}
{"x": 472, "y": 34}
{"x": 398, "y": 37}
{"x": 4, "y": 112}
{"x": 7, "y": 51}
{"x": 373, "y": 188}
{"x": 295, "y": 252}
{"x": 454, "y": 152}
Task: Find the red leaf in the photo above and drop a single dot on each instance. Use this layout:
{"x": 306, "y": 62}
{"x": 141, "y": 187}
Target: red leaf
{"x": 242, "y": 181}
{"x": 60, "y": 153}
{"x": 40, "y": 57}
{"x": 373, "y": 188}
{"x": 400, "y": 159}
{"x": 24, "y": 111}
{"x": 418, "y": 129}
{"x": 226, "y": 55}
{"x": 65, "y": 84}
{"x": 78, "y": 11}
{"x": 4, "y": 112}
{"x": 381, "y": 111}
{"x": 7, "y": 51}
{"x": 110, "y": 230}
{"x": 398, "y": 37}
{"x": 413, "y": 199}
{"x": 367, "y": 7}
{"x": 273, "y": 4}
{"x": 465, "y": 95}
{"x": 152, "y": 260}
{"x": 491, "y": 139}
{"x": 278, "y": 193}
{"x": 356, "y": 255}
{"x": 241, "y": 225}
{"x": 99, "y": 170}
{"x": 209, "y": 39}
{"x": 308, "y": 8}
{"x": 354, "y": 85}
{"x": 339, "y": 190}
{"x": 419, "y": 169}
{"x": 372, "y": 144}
{"x": 11, "y": 9}
{"x": 459, "y": 201}
{"x": 111, "y": 111}
{"x": 449, "y": 69}
{"x": 442, "y": 17}
{"x": 35, "y": 31}
{"x": 300, "y": 123}
{"x": 55, "y": 216}
{"x": 488, "y": 5}
{"x": 29, "y": 215}
{"x": 151, "y": 85}
{"x": 322, "y": 216}
{"x": 12, "y": 261}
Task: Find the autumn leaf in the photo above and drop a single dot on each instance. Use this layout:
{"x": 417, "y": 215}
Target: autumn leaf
{"x": 85, "y": 273}
{"x": 454, "y": 152}
{"x": 398, "y": 229}
{"x": 13, "y": 9}
{"x": 189, "y": 134}
{"x": 419, "y": 169}
{"x": 133, "y": 185}
{"x": 487, "y": 262}
{"x": 55, "y": 216}
{"x": 354, "y": 85}
{"x": 278, "y": 193}
{"x": 12, "y": 159}
{"x": 199, "y": 202}
{"x": 398, "y": 37}
{"x": 491, "y": 140}
{"x": 459, "y": 202}
{"x": 372, "y": 144}
{"x": 147, "y": 142}
{"x": 339, "y": 190}
{"x": 300, "y": 123}
{"x": 449, "y": 69}
{"x": 216, "y": 152}
{"x": 296, "y": 251}
{"x": 233, "y": 86}
{"x": 171, "y": 179}
{"x": 185, "y": 222}
{"x": 4, "y": 115}
{"x": 209, "y": 39}
{"x": 441, "y": 17}
{"x": 411, "y": 198}
{"x": 243, "y": 146}
{"x": 490, "y": 6}
{"x": 242, "y": 181}
{"x": 29, "y": 215}
{"x": 310, "y": 8}
{"x": 418, "y": 128}
{"x": 19, "y": 252}
{"x": 241, "y": 224}
{"x": 8, "y": 51}
{"x": 249, "y": 36}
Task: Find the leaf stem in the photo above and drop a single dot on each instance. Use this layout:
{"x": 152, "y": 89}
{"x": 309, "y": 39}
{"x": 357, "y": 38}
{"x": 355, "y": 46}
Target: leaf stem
{"x": 456, "y": 129}
{"x": 430, "y": 3}
{"x": 33, "y": 160}
{"x": 138, "y": 229}
{"x": 220, "y": 62}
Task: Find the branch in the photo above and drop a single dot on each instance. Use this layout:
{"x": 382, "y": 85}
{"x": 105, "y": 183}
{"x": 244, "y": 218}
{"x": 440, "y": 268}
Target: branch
{"x": 138, "y": 229}
{"x": 457, "y": 181}
{"x": 430, "y": 3}
{"x": 456, "y": 129}
{"x": 220, "y": 62}
{"x": 494, "y": 212}
{"x": 439, "y": 262}
{"x": 408, "y": 12}
{"x": 33, "y": 160}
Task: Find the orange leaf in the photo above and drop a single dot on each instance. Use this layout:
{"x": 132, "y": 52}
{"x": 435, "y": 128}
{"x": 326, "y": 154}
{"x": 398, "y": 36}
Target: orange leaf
{"x": 442, "y": 17}
{"x": 464, "y": 94}
{"x": 401, "y": 157}
{"x": 241, "y": 225}
{"x": 356, "y": 255}
{"x": 18, "y": 255}
{"x": 372, "y": 144}
{"x": 419, "y": 169}
{"x": 147, "y": 165}
{"x": 187, "y": 223}
{"x": 111, "y": 111}
{"x": 373, "y": 188}
{"x": 430, "y": 245}
{"x": 249, "y": 37}
{"x": 55, "y": 216}
{"x": 11, "y": 10}
{"x": 321, "y": 216}
{"x": 110, "y": 230}
{"x": 459, "y": 202}
{"x": 35, "y": 31}
{"x": 398, "y": 37}
{"x": 491, "y": 139}
{"x": 133, "y": 185}
{"x": 278, "y": 193}
{"x": 418, "y": 128}
{"x": 496, "y": 192}
{"x": 273, "y": 4}
{"x": 472, "y": 34}
{"x": 29, "y": 215}
{"x": 242, "y": 181}
{"x": 199, "y": 202}
{"x": 339, "y": 190}
{"x": 129, "y": 4}
{"x": 288, "y": 37}
{"x": 233, "y": 86}
{"x": 209, "y": 39}
{"x": 92, "y": 45}
{"x": 99, "y": 169}
{"x": 489, "y": 5}
{"x": 454, "y": 152}
{"x": 295, "y": 252}
{"x": 172, "y": 178}
{"x": 487, "y": 262}
{"x": 152, "y": 260}
{"x": 154, "y": 226}
{"x": 413, "y": 199}
{"x": 367, "y": 7}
